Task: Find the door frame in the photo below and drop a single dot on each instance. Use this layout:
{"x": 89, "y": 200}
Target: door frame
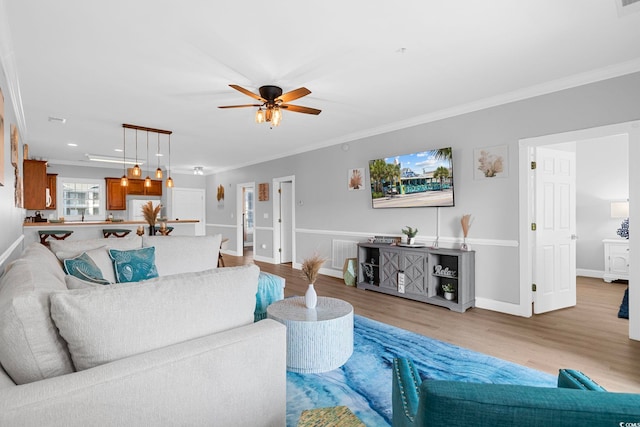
{"x": 239, "y": 210}
{"x": 276, "y": 215}
{"x": 525, "y": 195}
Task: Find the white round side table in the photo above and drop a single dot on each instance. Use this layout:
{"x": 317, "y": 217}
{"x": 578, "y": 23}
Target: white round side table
{"x": 318, "y": 339}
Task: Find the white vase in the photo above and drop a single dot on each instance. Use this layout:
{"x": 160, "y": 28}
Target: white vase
{"x": 310, "y": 297}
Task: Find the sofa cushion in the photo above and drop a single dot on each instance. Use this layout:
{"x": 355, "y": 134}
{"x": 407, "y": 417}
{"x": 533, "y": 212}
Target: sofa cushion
{"x": 569, "y": 378}
{"x": 113, "y": 322}
{"x": 197, "y": 252}
{"x": 83, "y": 267}
{"x": 30, "y": 347}
{"x": 134, "y": 265}
{"x": 71, "y": 248}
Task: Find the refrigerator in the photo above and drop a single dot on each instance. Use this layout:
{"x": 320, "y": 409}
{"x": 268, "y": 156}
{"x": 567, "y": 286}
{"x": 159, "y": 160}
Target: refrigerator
{"x": 134, "y": 208}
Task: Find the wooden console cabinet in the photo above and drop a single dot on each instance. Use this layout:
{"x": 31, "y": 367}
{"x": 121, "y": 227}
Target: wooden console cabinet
{"x": 423, "y": 270}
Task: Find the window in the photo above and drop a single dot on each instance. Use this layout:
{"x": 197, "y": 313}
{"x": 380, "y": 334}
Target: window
{"x": 80, "y": 199}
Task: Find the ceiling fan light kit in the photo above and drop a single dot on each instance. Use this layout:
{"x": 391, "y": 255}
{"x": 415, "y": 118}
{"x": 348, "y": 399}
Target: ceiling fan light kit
{"x": 273, "y": 102}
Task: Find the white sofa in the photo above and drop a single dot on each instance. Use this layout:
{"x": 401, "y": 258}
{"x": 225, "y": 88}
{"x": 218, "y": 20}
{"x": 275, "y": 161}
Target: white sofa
{"x": 180, "y": 349}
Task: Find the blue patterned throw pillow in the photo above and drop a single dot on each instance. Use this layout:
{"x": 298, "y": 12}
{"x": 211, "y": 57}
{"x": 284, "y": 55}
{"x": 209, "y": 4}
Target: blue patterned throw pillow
{"x": 134, "y": 265}
{"x": 83, "y": 267}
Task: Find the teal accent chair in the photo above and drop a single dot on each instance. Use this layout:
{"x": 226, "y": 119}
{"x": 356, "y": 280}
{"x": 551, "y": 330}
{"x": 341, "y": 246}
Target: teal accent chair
{"x": 577, "y": 401}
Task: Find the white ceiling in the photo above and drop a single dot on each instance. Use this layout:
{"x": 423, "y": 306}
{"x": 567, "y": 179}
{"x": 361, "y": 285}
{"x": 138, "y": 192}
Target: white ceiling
{"x": 371, "y": 65}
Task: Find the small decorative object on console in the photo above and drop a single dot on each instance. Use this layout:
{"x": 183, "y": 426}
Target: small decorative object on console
{"x": 411, "y": 234}
{"x": 623, "y": 231}
{"x": 466, "y": 222}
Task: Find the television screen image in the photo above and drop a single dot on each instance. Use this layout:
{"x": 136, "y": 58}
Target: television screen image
{"x": 421, "y": 179}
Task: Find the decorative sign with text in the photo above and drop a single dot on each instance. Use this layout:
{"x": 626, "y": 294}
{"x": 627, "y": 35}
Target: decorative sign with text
{"x": 444, "y": 272}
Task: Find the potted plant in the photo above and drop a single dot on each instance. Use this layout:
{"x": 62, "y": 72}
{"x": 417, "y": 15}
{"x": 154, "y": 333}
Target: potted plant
{"x": 449, "y": 291}
{"x": 411, "y": 234}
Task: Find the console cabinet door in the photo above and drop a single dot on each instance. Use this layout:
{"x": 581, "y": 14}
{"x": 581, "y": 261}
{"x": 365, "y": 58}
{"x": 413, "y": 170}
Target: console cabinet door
{"x": 415, "y": 272}
{"x": 390, "y": 263}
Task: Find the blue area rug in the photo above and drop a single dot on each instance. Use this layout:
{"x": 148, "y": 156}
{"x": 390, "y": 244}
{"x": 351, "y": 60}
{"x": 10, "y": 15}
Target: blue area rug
{"x": 364, "y": 382}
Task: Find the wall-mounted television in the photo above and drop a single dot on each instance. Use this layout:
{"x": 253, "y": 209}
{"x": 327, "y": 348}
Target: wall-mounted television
{"x": 420, "y": 179}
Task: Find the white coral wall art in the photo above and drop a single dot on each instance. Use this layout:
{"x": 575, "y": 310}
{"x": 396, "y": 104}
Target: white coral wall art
{"x": 491, "y": 162}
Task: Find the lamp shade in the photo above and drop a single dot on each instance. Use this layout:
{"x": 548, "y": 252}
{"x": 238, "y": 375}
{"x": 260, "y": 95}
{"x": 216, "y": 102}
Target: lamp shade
{"x": 619, "y": 209}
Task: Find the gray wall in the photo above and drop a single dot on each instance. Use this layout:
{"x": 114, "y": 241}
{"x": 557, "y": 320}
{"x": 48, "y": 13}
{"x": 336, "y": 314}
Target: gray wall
{"x": 602, "y": 177}
{"x": 326, "y": 210}
{"x": 11, "y": 217}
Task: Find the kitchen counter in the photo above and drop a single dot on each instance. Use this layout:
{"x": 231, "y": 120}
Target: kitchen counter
{"x": 93, "y": 229}
{"x": 104, "y": 223}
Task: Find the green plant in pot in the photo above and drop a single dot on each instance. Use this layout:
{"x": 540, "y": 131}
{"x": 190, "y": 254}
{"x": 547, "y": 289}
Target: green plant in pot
{"x": 449, "y": 291}
{"x": 411, "y": 234}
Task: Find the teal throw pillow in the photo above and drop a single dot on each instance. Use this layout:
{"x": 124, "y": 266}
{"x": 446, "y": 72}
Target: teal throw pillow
{"x": 134, "y": 265}
{"x": 83, "y": 267}
{"x": 569, "y": 378}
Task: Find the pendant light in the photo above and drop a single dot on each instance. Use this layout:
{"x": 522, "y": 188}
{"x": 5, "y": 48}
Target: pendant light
{"x": 169, "y": 180}
{"x": 147, "y": 180}
{"x": 158, "y": 171}
{"x": 276, "y": 117}
{"x": 136, "y": 169}
{"x": 260, "y": 115}
{"x": 124, "y": 182}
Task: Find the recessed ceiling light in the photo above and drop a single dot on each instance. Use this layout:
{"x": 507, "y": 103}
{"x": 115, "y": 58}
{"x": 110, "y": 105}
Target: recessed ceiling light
{"x": 71, "y": 144}
{"x": 159, "y": 154}
{"x": 57, "y": 119}
{"x": 119, "y": 150}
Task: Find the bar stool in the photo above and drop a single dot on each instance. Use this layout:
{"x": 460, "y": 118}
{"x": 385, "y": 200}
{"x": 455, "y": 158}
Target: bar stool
{"x": 118, "y": 232}
{"x": 56, "y": 234}
{"x": 168, "y": 230}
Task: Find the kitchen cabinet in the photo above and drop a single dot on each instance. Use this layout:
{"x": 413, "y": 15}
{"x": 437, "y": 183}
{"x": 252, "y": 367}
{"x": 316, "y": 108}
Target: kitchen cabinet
{"x": 35, "y": 184}
{"x": 116, "y": 195}
{"x": 51, "y": 195}
{"x": 136, "y": 188}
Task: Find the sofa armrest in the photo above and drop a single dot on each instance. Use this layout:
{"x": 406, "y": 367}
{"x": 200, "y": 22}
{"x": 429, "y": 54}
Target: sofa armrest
{"x": 447, "y": 403}
{"x": 235, "y": 377}
{"x": 405, "y": 392}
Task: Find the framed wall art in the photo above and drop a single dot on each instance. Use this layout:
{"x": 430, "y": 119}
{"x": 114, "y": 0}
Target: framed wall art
{"x": 355, "y": 179}
{"x": 491, "y": 162}
{"x": 263, "y": 192}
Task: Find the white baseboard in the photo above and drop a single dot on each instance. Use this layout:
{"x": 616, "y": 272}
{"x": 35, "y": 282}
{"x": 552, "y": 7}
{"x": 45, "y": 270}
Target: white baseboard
{"x": 589, "y": 273}
{"x": 502, "y": 307}
{"x": 7, "y": 254}
{"x": 268, "y": 260}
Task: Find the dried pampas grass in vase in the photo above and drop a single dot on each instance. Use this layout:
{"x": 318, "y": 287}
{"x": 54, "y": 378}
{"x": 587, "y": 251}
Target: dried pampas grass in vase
{"x": 150, "y": 214}
{"x": 310, "y": 268}
{"x": 466, "y": 222}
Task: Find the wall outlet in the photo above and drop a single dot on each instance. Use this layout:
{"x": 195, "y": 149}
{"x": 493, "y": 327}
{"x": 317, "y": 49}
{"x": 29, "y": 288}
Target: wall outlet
{"x": 400, "y": 282}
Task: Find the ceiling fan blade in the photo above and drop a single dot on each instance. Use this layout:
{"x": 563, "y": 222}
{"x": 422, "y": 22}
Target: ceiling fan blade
{"x": 240, "y": 106}
{"x": 294, "y": 94}
{"x": 300, "y": 109}
{"x": 248, "y": 93}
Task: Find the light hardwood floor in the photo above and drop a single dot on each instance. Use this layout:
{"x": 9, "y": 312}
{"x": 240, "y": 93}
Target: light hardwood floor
{"x": 589, "y": 337}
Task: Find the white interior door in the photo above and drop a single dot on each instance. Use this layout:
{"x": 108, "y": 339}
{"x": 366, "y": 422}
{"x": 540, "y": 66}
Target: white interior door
{"x": 554, "y": 264}
{"x": 286, "y": 221}
{"x": 189, "y": 203}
